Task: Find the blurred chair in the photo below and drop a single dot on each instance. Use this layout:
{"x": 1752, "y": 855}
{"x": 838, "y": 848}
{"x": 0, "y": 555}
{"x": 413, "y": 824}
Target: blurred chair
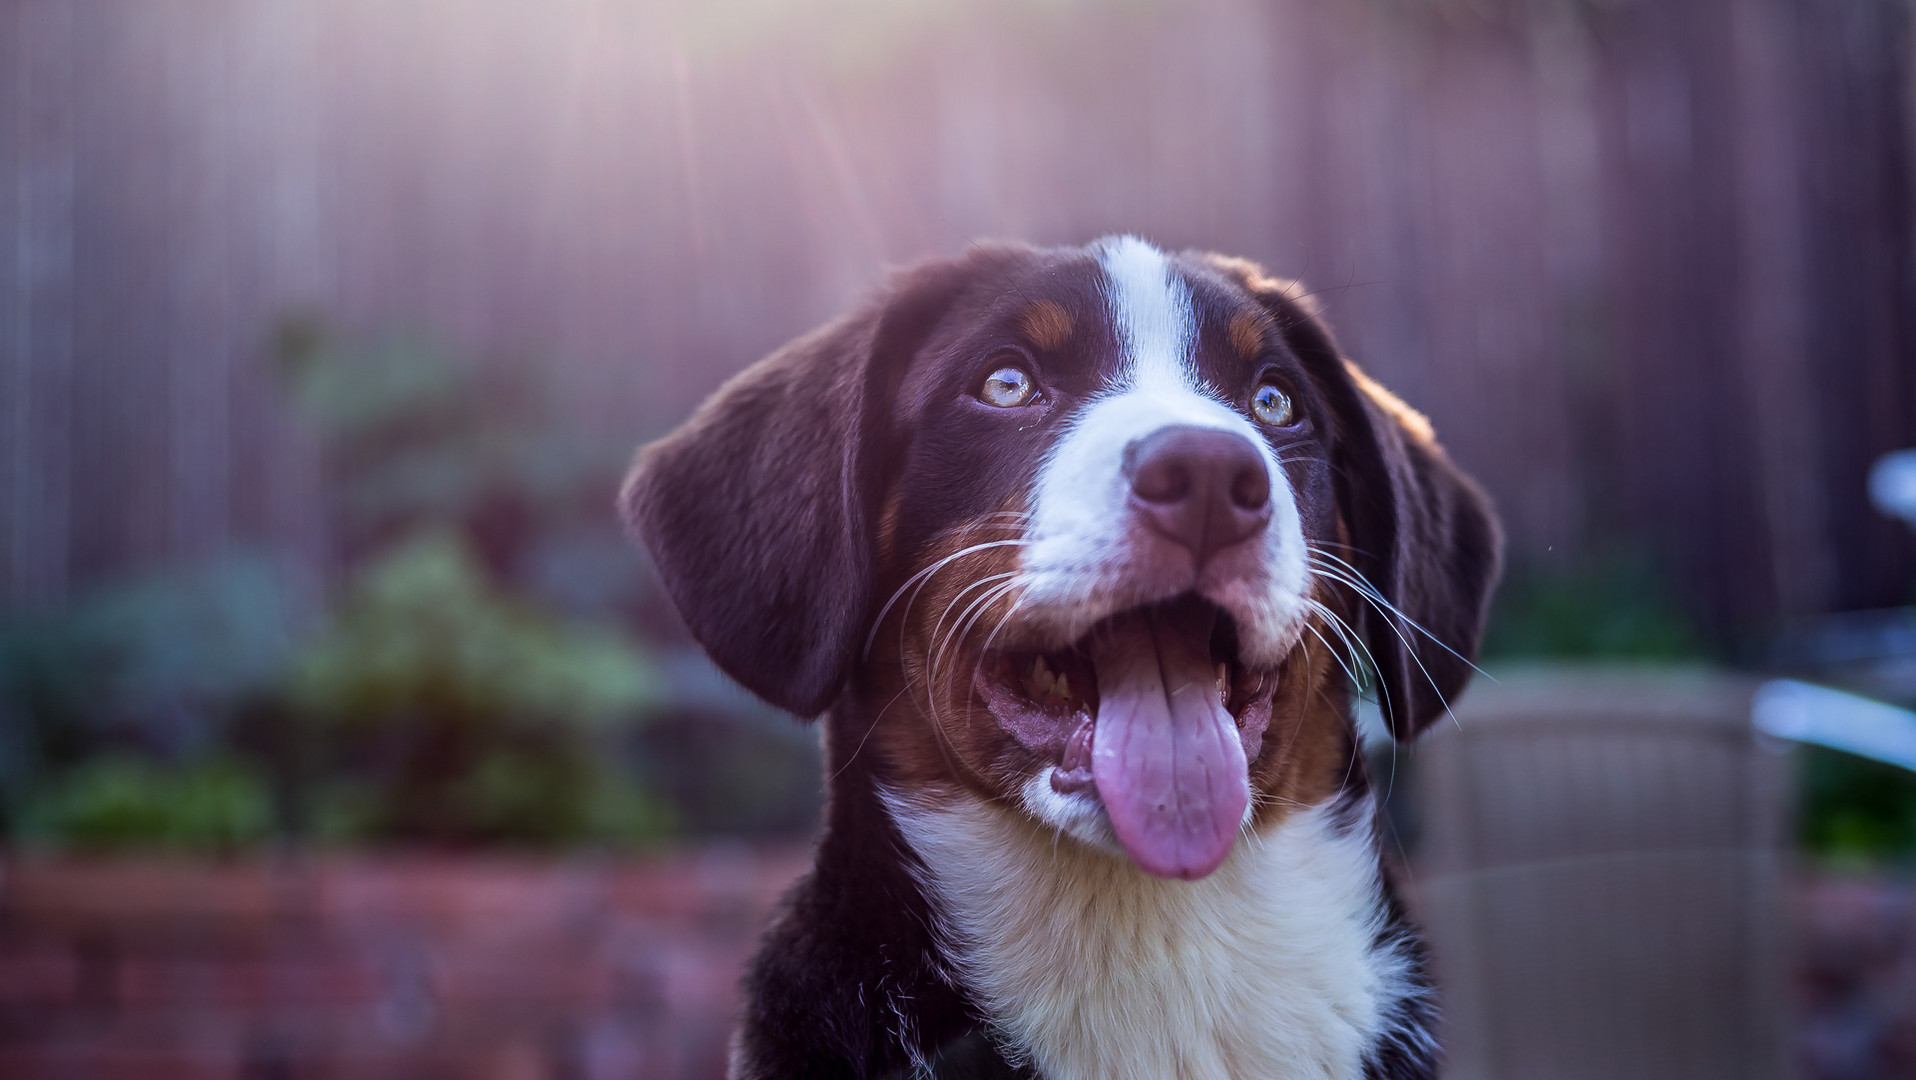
{"x": 1599, "y": 863}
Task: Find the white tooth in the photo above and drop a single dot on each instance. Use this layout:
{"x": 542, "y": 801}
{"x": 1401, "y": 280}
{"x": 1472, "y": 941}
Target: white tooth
{"x": 1064, "y": 687}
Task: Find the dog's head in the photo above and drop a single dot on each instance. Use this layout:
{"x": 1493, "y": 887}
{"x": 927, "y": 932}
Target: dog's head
{"x": 1091, "y": 530}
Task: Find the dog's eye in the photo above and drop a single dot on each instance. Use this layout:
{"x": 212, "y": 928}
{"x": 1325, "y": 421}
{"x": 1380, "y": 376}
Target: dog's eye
{"x": 1008, "y": 388}
{"x": 1272, "y": 406}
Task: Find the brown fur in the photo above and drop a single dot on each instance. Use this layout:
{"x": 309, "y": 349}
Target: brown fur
{"x": 1248, "y": 333}
{"x": 1047, "y": 324}
{"x": 938, "y": 732}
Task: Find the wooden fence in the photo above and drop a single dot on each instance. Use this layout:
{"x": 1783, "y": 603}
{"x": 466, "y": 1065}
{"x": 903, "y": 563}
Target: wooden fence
{"x": 1647, "y": 265}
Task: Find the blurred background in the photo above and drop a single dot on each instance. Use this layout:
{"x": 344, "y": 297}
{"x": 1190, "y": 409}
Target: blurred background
{"x": 341, "y": 734}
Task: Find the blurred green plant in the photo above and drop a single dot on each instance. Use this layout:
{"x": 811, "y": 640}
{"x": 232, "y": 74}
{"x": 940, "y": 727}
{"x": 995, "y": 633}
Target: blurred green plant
{"x": 468, "y": 686}
{"x": 154, "y": 667}
{"x": 118, "y": 802}
{"x": 1855, "y": 811}
{"x": 465, "y": 691}
{"x": 1611, "y": 607}
{"x": 463, "y": 715}
{"x": 421, "y": 625}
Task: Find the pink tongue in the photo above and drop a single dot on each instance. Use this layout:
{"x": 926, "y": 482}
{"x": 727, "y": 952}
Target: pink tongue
{"x": 1165, "y": 753}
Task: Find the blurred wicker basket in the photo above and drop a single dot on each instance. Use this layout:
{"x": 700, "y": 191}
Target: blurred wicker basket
{"x": 1599, "y": 859}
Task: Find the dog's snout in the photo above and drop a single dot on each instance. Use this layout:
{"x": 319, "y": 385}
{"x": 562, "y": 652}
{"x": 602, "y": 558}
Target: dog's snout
{"x": 1202, "y": 487}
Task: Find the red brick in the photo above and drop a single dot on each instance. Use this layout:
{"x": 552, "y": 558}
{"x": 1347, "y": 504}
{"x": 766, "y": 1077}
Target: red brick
{"x": 368, "y": 967}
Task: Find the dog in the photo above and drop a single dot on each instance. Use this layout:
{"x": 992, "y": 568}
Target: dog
{"x": 1083, "y": 552}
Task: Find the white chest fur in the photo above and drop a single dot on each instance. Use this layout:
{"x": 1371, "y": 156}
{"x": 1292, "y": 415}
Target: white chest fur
{"x": 1268, "y": 968}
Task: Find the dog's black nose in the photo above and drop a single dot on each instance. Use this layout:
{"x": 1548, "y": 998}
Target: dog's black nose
{"x": 1204, "y": 488}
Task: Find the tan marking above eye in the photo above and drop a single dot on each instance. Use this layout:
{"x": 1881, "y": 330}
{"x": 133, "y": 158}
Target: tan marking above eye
{"x": 1247, "y": 334}
{"x": 1047, "y": 324}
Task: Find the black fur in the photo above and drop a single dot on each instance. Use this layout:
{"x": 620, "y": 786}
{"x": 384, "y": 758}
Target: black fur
{"x": 758, "y": 511}
{"x": 851, "y": 980}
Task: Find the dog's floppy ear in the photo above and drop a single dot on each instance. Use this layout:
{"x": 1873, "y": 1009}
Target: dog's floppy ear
{"x": 759, "y": 509}
{"x": 1425, "y": 536}
{"x": 1421, "y": 532}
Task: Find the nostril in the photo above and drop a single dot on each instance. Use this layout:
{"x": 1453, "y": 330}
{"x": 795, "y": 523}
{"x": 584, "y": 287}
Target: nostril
{"x": 1251, "y": 488}
{"x": 1162, "y": 481}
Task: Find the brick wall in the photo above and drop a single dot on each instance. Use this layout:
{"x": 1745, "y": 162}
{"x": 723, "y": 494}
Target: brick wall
{"x": 427, "y": 967}
{"x": 377, "y": 967}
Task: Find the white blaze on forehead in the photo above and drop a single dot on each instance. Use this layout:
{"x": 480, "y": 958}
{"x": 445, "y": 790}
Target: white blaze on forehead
{"x": 1151, "y": 310}
{"x": 1086, "y": 555}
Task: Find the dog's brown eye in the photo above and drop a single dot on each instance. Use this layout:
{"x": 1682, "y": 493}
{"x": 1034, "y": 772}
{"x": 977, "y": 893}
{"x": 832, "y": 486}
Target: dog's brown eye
{"x": 1272, "y": 406}
{"x": 1008, "y": 388}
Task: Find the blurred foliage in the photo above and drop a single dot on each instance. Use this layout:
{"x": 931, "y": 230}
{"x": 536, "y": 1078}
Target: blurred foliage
{"x": 154, "y": 666}
{"x": 421, "y": 630}
{"x": 1612, "y": 607}
{"x": 465, "y": 715}
{"x": 469, "y": 684}
{"x": 116, "y": 802}
{"x": 1854, "y": 810}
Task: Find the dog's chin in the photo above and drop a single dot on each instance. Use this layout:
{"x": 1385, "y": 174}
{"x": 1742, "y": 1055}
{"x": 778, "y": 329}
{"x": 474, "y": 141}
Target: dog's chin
{"x": 1077, "y": 814}
{"x": 1143, "y": 732}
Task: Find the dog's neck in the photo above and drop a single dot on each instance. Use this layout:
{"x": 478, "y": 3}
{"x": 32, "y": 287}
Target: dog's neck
{"x": 1285, "y": 962}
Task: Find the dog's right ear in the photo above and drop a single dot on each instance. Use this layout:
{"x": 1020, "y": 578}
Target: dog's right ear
{"x": 759, "y": 510}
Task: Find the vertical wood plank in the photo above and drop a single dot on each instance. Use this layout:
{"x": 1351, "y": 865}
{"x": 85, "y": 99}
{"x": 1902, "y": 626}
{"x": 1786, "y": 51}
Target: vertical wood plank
{"x": 35, "y": 364}
{"x": 1648, "y": 267}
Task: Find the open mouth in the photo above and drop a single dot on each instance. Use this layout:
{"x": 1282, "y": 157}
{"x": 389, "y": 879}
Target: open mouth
{"x": 1154, "y": 711}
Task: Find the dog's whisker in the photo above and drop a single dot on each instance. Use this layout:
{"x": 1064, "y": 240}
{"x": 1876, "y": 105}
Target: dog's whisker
{"x": 939, "y": 626}
{"x": 1003, "y": 623}
{"x": 1356, "y": 580}
{"x": 972, "y": 684}
{"x": 934, "y": 683}
{"x": 1391, "y": 619}
{"x": 940, "y": 658}
{"x": 967, "y": 620}
{"x": 932, "y": 648}
{"x": 979, "y": 608}
{"x": 1005, "y": 620}
{"x": 992, "y": 638}
{"x": 1337, "y": 627}
{"x": 937, "y": 644}
{"x": 1354, "y": 642}
{"x": 1355, "y": 684}
{"x": 923, "y": 576}
{"x": 876, "y": 720}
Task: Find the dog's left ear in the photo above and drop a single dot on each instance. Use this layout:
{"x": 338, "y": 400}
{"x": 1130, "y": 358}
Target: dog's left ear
{"x": 759, "y": 510}
{"x": 1421, "y": 532}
